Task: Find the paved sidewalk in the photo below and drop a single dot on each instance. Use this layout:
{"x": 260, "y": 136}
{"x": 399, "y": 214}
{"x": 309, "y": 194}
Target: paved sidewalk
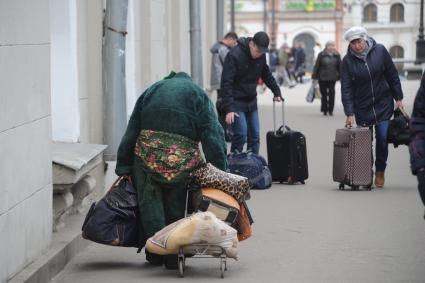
{"x": 302, "y": 233}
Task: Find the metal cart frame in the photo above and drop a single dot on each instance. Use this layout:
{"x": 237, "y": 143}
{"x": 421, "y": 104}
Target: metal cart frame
{"x": 200, "y": 250}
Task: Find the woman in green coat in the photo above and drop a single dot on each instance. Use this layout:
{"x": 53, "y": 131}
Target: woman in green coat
{"x": 161, "y": 147}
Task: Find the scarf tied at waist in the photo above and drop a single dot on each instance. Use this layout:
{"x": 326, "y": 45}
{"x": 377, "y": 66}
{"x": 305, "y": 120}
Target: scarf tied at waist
{"x": 167, "y": 154}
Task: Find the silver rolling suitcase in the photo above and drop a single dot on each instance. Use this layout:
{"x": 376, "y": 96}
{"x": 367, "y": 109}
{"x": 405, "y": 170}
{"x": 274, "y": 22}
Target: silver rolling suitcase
{"x": 352, "y": 158}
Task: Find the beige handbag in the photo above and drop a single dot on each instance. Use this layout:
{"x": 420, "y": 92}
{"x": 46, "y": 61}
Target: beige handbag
{"x": 210, "y": 176}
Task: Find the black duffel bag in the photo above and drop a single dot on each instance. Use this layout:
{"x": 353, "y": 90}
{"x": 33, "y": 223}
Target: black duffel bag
{"x": 398, "y": 130}
{"x": 114, "y": 220}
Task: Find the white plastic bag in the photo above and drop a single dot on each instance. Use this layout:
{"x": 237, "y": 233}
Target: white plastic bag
{"x": 199, "y": 228}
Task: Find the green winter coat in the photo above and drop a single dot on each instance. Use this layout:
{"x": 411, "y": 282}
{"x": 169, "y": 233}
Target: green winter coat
{"x": 178, "y": 106}
{"x": 175, "y": 105}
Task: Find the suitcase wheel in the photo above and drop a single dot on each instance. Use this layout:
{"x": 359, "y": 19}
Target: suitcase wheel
{"x": 369, "y": 187}
{"x": 355, "y": 188}
{"x": 302, "y": 182}
{"x": 341, "y": 187}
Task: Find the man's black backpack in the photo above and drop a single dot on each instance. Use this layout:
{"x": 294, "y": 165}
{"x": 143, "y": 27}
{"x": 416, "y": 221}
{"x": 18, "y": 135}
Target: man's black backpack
{"x": 398, "y": 131}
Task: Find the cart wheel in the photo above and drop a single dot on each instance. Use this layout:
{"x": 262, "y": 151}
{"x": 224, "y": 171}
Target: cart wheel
{"x": 222, "y": 268}
{"x": 341, "y": 187}
{"x": 181, "y": 266}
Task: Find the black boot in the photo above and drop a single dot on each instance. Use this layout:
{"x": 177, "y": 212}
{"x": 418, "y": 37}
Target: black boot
{"x": 171, "y": 262}
{"x": 154, "y": 259}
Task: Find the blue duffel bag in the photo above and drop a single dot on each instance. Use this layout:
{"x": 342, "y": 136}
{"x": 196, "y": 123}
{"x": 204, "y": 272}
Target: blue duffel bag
{"x": 114, "y": 220}
{"x": 252, "y": 166}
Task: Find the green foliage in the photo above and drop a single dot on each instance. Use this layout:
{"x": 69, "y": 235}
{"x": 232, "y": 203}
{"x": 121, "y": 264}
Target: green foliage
{"x": 319, "y": 5}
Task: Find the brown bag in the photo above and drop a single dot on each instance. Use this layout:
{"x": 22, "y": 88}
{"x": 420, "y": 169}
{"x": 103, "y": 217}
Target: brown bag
{"x": 243, "y": 223}
{"x": 210, "y": 176}
{"x": 222, "y": 205}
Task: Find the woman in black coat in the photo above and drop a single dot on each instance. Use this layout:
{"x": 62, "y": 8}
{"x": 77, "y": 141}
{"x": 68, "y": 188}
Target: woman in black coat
{"x": 417, "y": 144}
{"x": 327, "y": 71}
{"x": 369, "y": 86}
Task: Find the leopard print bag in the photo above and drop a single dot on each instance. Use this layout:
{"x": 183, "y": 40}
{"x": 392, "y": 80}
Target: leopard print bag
{"x": 210, "y": 176}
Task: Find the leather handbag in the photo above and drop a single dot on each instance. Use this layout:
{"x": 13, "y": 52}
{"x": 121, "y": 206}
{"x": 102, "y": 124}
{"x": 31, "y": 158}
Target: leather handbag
{"x": 222, "y": 205}
{"x": 114, "y": 220}
{"x": 243, "y": 223}
{"x": 398, "y": 130}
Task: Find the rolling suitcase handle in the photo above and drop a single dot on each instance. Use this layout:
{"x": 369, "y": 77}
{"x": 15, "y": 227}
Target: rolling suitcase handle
{"x": 274, "y": 117}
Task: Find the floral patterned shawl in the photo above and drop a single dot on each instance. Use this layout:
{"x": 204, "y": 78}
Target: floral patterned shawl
{"x": 166, "y": 154}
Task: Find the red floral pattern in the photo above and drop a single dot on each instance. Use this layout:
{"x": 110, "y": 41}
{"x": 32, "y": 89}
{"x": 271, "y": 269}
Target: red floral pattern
{"x": 167, "y": 154}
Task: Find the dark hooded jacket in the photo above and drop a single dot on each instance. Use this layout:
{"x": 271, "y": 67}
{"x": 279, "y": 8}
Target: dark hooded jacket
{"x": 417, "y": 128}
{"x": 240, "y": 78}
{"x": 327, "y": 66}
{"x": 369, "y": 87}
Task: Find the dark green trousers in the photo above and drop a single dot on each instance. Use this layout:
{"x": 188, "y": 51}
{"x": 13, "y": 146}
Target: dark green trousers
{"x": 161, "y": 202}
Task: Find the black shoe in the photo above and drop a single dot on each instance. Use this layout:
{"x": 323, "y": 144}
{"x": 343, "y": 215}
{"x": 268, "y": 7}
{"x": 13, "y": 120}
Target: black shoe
{"x": 171, "y": 262}
{"x": 154, "y": 259}
{"x": 331, "y": 114}
{"x": 325, "y": 113}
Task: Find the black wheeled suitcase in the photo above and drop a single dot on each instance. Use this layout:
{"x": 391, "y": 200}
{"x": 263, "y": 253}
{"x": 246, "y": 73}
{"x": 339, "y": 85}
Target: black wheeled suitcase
{"x": 286, "y": 153}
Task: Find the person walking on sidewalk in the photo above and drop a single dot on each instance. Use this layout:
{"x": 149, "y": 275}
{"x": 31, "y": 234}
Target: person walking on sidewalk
{"x": 327, "y": 71}
{"x": 160, "y": 149}
{"x": 299, "y": 59}
{"x": 244, "y": 65}
{"x": 369, "y": 86}
{"x": 417, "y": 144}
{"x": 282, "y": 68}
{"x": 219, "y": 52}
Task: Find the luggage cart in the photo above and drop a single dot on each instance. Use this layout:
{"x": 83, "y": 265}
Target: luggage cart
{"x": 200, "y": 250}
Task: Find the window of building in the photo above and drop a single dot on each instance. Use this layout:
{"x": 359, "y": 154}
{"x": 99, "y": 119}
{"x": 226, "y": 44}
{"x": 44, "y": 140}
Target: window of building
{"x": 370, "y": 13}
{"x": 397, "y": 52}
{"x": 397, "y": 13}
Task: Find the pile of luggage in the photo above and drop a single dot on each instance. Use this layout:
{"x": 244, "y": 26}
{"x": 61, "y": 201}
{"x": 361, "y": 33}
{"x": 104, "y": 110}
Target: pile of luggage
{"x": 217, "y": 218}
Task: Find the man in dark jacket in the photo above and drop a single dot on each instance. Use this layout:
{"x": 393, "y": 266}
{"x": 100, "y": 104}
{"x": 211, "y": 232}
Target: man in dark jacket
{"x": 243, "y": 66}
{"x": 369, "y": 86}
{"x": 417, "y": 144}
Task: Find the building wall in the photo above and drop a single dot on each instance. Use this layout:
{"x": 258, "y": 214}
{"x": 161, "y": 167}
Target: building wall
{"x": 322, "y": 31}
{"x": 64, "y": 76}
{"x": 77, "y": 103}
{"x": 25, "y": 134}
{"x": 159, "y": 42}
{"x": 209, "y": 37}
{"x": 89, "y": 19}
{"x": 383, "y": 31}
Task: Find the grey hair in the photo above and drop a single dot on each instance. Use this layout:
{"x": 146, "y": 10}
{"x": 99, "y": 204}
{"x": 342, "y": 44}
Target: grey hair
{"x": 329, "y": 42}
